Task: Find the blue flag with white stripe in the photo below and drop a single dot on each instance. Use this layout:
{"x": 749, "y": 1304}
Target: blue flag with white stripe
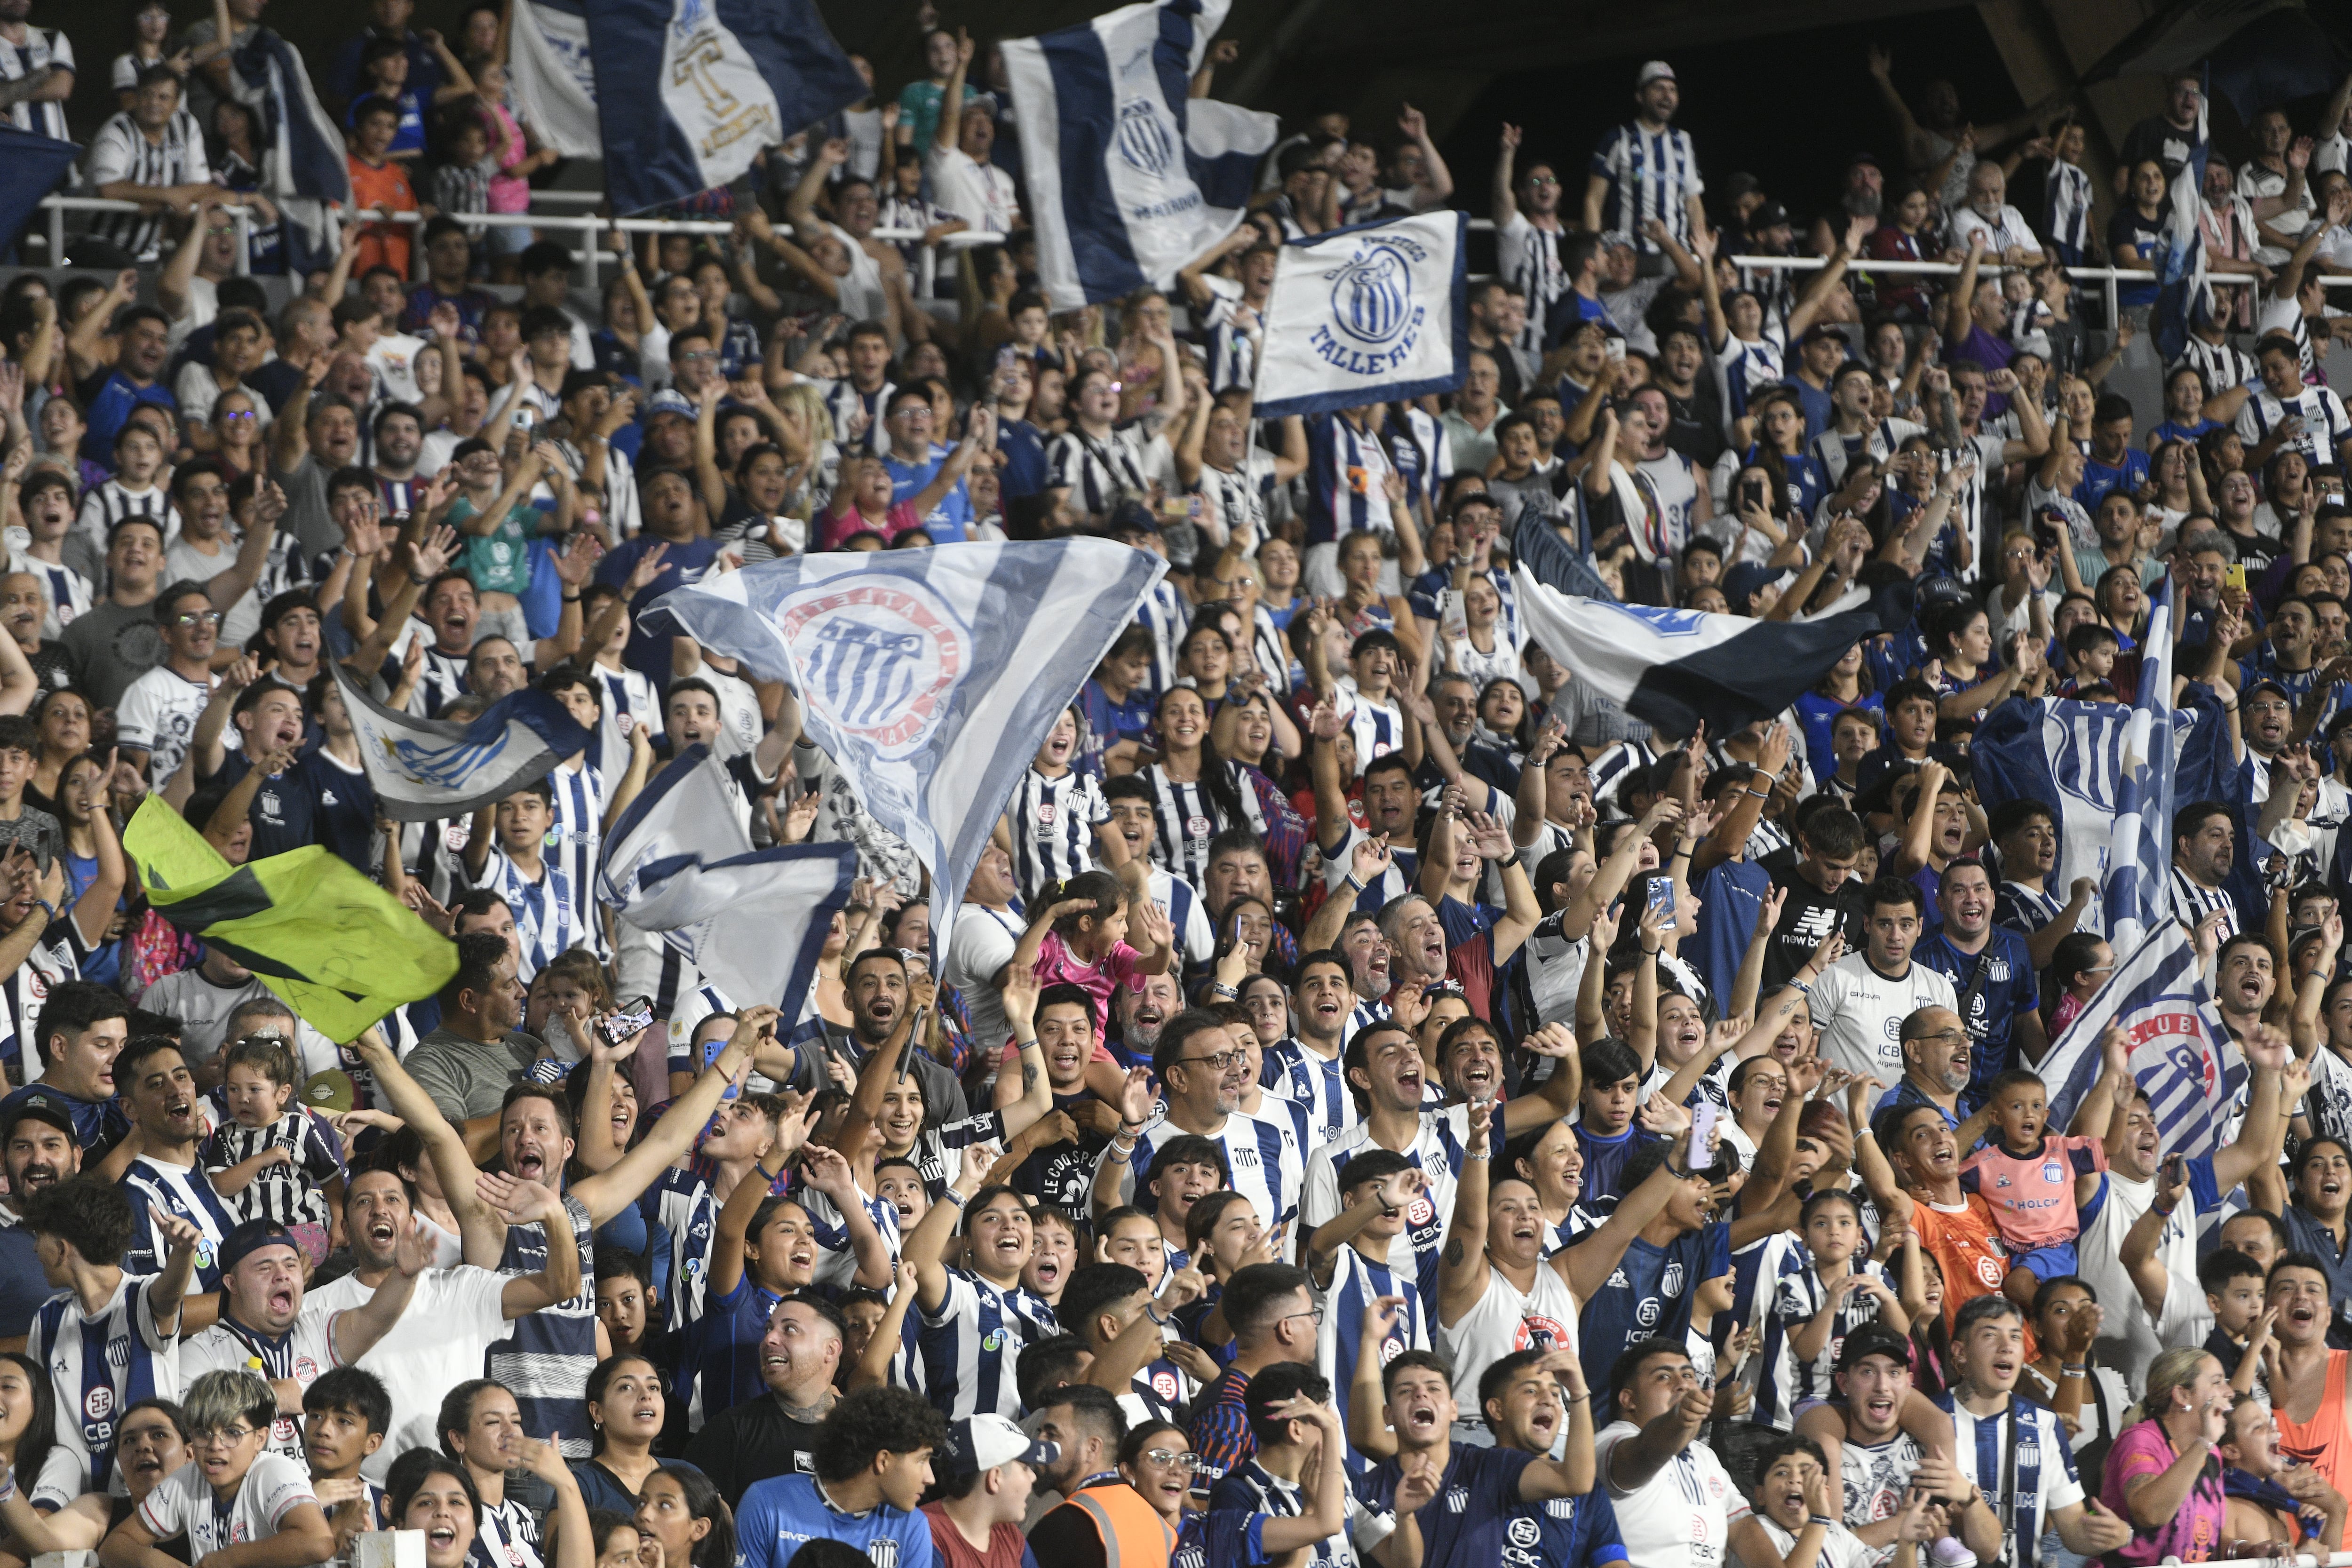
{"x": 2178, "y": 252}
{"x": 1677, "y": 668}
{"x": 929, "y": 677}
{"x": 689, "y": 91}
{"x": 679, "y": 864}
{"x": 1376, "y": 312}
{"x": 425, "y": 769}
{"x": 2138, "y": 891}
{"x": 304, "y": 164}
{"x": 1129, "y": 176}
{"x": 2179, "y": 1052}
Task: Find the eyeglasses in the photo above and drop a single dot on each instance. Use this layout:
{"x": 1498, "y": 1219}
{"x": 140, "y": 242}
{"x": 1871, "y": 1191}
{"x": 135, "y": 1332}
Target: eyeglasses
{"x": 1947, "y": 1036}
{"x": 200, "y": 618}
{"x": 1315, "y": 1312}
{"x": 1169, "y": 1459}
{"x": 702, "y": 356}
{"x": 1543, "y": 180}
{"x": 1219, "y": 1061}
{"x": 230, "y": 1436}
{"x": 239, "y": 413}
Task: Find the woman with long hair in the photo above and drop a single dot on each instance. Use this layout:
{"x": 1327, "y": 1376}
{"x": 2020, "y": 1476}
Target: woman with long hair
{"x": 96, "y": 871}
{"x": 627, "y": 1406}
{"x": 1845, "y": 685}
{"x": 2163, "y": 1478}
{"x": 1158, "y": 1461}
{"x": 63, "y": 718}
{"x": 432, "y": 1493}
{"x": 44, "y": 1466}
{"x": 2123, "y": 604}
{"x": 1194, "y": 792}
{"x": 2094, "y": 1399}
{"x": 236, "y": 430}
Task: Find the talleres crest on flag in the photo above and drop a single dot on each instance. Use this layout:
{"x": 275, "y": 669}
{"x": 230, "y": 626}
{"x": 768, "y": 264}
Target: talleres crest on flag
{"x": 879, "y": 659}
{"x": 2167, "y": 1030}
{"x": 1376, "y": 317}
{"x": 1144, "y": 138}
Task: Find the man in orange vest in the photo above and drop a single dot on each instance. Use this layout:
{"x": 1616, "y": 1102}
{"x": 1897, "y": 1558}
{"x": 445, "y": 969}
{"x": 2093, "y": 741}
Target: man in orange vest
{"x": 1103, "y": 1523}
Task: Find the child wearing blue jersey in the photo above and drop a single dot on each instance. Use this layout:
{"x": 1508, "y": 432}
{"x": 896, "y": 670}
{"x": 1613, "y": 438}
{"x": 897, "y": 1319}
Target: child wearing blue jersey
{"x": 873, "y": 1464}
{"x": 1819, "y": 1306}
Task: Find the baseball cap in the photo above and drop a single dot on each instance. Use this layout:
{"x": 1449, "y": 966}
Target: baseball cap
{"x": 670, "y": 400}
{"x": 1742, "y": 582}
{"x": 40, "y": 1105}
{"x": 1652, "y": 71}
{"x": 249, "y": 1239}
{"x": 1771, "y": 215}
{"x": 1873, "y": 1339}
{"x": 2267, "y": 686}
{"x": 1822, "y": 331}
{"x": 980, "y": 1443}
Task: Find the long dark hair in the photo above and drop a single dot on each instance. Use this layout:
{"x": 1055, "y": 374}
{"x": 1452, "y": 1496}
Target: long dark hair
{"x": 1216, "y": 777}
{"x": 409, "y": 1473}
{"x": 716, "y": 1549}
{"x": 602, "y": 1377}
{"x": 41, "y": 1429}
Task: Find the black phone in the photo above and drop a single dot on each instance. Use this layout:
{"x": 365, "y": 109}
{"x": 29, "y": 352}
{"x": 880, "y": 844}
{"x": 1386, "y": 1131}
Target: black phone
{"x": 1751, "y": 492}
{"x": 635, "y": 1018}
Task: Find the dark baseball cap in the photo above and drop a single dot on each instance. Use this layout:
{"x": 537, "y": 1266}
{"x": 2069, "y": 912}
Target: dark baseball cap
{"x": 249, "y": 1239}
{"x": 1870, "y": 1340}
{"x": 39, "y": 1105}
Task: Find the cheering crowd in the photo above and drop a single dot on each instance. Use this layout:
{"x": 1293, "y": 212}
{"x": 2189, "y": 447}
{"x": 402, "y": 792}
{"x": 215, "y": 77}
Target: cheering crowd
{"x": 1382, "y": 1103}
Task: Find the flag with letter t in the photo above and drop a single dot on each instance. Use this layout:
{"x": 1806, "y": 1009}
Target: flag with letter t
{"x": 689, "y": 91}
{"x": 1368, "y": 314}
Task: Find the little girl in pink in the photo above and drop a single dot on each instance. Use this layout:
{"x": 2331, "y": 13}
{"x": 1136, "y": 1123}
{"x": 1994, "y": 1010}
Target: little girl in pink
{"x": 1080, "y": 939}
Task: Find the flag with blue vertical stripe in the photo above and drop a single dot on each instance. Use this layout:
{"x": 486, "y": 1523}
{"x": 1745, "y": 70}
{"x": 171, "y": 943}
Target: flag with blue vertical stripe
{"x": 929, "y": 677}
{"x": 2178, "y": 251}
{"x": 2137, "y": 893}
{"x": 1129, "y": 176}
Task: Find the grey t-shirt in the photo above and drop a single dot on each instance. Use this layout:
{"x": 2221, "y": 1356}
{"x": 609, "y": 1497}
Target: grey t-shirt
{"x": 110, "y": 646}
{"x": 37, "y": 831}
{"x": 307, "y": 518}
{"x": 466, "y": 1078}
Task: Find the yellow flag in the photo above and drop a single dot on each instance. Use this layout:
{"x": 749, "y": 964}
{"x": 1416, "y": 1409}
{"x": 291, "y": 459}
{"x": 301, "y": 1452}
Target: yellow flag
{"x": 338, "y": 948}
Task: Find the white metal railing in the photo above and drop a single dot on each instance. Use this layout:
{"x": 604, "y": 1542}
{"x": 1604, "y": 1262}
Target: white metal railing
{"x": 590, "y": 256}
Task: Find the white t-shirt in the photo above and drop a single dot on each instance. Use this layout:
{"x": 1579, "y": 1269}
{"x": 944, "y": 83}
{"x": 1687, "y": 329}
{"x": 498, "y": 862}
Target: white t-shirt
{"x": 1841, "y": 1549}
{"x": 158, "y": 715}
{"x": 2005, "y": 228}
{"x": 455, "y": 1315}
{"x": 1860, "y": 1013}
{"x": 983, "y": 945}
{"x": 1680, "y": 1515}
{"x": 183, "y": 1504}
{"x": 980, "y": 194}
{"x": 392, "y": 358}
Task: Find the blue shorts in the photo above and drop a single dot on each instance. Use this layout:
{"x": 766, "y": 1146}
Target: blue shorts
{"x": 2048, "y": 1262}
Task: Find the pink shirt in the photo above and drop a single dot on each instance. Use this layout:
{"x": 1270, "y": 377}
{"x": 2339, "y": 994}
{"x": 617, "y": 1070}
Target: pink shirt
{"x": 2033, "y": 1198}
{"x": 508, "y": 192}
{"x": 2194, "y": 1534}
{"x": 839, "y": 525}
{"x": 1057, "y": 966}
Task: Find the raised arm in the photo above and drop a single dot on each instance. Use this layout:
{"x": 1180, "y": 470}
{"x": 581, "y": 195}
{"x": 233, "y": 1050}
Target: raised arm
{"x": 484, "y": 1233}
{"x": 607, "y": 1192}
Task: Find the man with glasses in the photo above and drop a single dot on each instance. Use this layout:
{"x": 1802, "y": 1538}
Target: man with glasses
{"x": 157, "y": 716}
{"x": 1938, "y": 1062}
{"x": 1201, "y": 1071}
{"x": 913, "y": 459}
{"x": 1274, "y": 1319}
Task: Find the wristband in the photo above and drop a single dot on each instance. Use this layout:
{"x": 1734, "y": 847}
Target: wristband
{"x": 1757, "y": 793}
{"x": 1467, "y": 1154}
{"x": 419, "y": 582}
{"x": 1019, "y": 1045}
{"x": 1824, "y": 1521}
{"x": 2074, "y": 1371}
{"x": 570, "y": 598}
{"x": 1223, "y": 992}
{"x": 1129, "y": 1128}
{"x": 1354, "y": 885}
{"x": 957, "y": 1198}
{"x": 1653, "y": 951}
{"x": 48, "y": 908}
{"x": 1118, "y": 1156}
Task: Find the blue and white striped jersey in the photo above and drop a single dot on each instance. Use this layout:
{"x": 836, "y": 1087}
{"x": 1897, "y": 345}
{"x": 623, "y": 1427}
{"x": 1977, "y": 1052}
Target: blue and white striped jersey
{"x": 1099, "y": 474}
{"x": 2042, "y": 1486}
{"x": 1053, "y": 822}
{"x": 185, "y": 1192}
{"x": 1166, "y": 615}
{"x": 1345, "y": 471}
{"x": 290, "y": 1194}
{"x": 629, "y": 700}
{"x": 2066, "y": 211}
{"x": 1800, "y": 1297}
{"x": 1196, "y": 939}
{"x": 683, "y": 1205}
{"x": 1651, "y": 174}
{"x": 574, "y": 841}
{"x": 1339, "y": 864}
{"x": 100, "y": 1363}
{"x": 1262, "y": 1161}
{"x": 1437, "y": 1151}
{"x": 1290, "y": 1069}
{"x": 547, "y": 917}
{"x": 1421, "y": 452}
{"x": 856, "y": 416}
{"x": 970, "y": 1343}
{"x": 440, "y": 681}
{"x": 103, "y": 506}
{"x": 2192, "y": 901}
{"x": 506, "y": 1535}
{"x": 1528, "y": 257}
{"x": 1747, "y": 368}
{"x": 546, "y": 1361}
{"x": 2325, "y": 423}
{"x": 1376, "y": 725}
{"x": 1184, "y": 817}
{"x": 65, "y": 591}
{"x": 1357, "y": 1281}
{"x": 301, "y": 1354}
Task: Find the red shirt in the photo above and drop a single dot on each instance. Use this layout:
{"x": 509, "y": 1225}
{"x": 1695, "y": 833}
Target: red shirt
{"x": 1006, "y": 1544}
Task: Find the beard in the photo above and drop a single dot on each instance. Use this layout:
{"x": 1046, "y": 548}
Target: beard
{"x": 1865, "y": 204}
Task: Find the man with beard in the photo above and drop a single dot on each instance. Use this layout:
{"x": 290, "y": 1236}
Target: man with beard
{"x": 1201, "y": 1071}
{"x": 478, "y": 1048}
{"x": 457, "y": 1312}
{"x": 1389, "y": 803}
{"x": 1861, "y": 1431}
{"x": 1992, "y": 974}
{"x": 1860, "y": 1001}
{"x": 1142, "y": 1013}
{"x": 878, "y": 991}
{"x": 547, "y": 1359}
{"x": 399, "y": 442}
{"x": 777, "y": 1435}
{"x": 38, "y": 1148}
{"x": 1939, "y": 1065}
{"x": 263, "y": 1318}
{"x": 77, "y": 1034}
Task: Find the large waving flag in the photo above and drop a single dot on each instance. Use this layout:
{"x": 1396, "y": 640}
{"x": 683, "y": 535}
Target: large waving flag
{"x": 31, "y": 166}
{"x": 929, "y": 677}
{"x": 305, "y": 168}
{"x": 554, "y": 76}
{"x": 332, "y": 945}
{"x": 754, "y": 922}
{"x": 1372, "y": 313}
{"x": 425, "y": 769}
{"x": 1677, "y": 668}
{"x": 2178, "y": 255}
{"x": 2137, "y": 889}
{"x": 2179, "y": 1051}
{"x": 1129, "y": 176}
{"x": 689, "y": 91}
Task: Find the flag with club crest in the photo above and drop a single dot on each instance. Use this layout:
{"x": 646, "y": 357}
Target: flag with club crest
{"x": 1376, "y": 312}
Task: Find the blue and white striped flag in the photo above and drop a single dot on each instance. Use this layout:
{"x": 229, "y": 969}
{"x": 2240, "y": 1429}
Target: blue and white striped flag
{"x": 1129, "y": 176}
{"x": 425, "y": 769}
{"x": 752, "y": 922}
{"x": 304, "y": 166}
{"x": 2137, "y": 890}
{"x": 689, "y": 91}
{"x": 2178, "y": 254}
{"x": 929, "y": 677}
{"x": 2179, "y": 1051}
{"x": 1374, "y": 314}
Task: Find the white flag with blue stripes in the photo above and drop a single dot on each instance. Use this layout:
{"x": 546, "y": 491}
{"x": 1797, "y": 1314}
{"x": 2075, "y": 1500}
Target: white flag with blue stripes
{"x": 1129, "y": 176}
{"x": 1373, "y": 313}
{"x": 423, "y": 769}
{"x": 2177, "y": 254}
{"x": 2138, "y": 891}
{"x": 929, "y": 677}
{"x": 752, "y": 922}
{"x": 2180, "y": 1053}
{"x": 690, "y": 92}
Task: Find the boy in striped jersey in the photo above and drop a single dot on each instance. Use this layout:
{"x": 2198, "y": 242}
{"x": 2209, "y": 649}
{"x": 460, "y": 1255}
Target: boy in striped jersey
{"x": 109, "y": 1339}
{"x": 138, "y": 460}
{"x": 1057, "y": 818}
{"x": 1348, "y": 1265}
{"x": 547, "y": 913}
{"x": 578, "y": 792}
{"x": 46, "y": 503}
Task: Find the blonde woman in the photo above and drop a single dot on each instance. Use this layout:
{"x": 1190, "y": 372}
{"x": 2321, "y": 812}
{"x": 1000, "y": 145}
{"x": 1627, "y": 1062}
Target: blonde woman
{"x": 801, "y": 408}
{"x": 2163, "y": 1476}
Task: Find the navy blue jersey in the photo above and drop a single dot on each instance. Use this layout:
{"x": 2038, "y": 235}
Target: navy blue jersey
{"x": 1649, "y": 1294}
{"x": 1480, "y": 1486}
{"x": 1564, "y": 1532}
{"x": 1990, "y": 1006}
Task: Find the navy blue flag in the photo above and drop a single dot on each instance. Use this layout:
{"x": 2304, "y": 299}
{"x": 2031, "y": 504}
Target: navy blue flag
{"x": 31, "y": 165}
{"x": 304, "y": 166}
{"x": 426, "y": 769}
{"x": 689, "y": 91}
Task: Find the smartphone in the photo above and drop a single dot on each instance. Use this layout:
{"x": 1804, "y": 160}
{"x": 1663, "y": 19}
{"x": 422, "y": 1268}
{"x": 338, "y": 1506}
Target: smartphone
{"x": 1702, "y": 1126}
{"x": 1751, "y": 492}
{"x": 2234, "y": 576}
{"x": 1662, "y": 895}
{"x": 635, "y": 1015}
{"x": 710, "y": 1050}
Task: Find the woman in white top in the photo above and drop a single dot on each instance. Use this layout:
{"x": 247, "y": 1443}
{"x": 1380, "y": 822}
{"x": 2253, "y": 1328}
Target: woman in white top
{"x": 1496, "y": 1291}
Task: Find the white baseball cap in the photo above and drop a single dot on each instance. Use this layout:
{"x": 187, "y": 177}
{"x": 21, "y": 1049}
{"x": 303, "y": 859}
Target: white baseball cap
{"x": 1652, "y": 71}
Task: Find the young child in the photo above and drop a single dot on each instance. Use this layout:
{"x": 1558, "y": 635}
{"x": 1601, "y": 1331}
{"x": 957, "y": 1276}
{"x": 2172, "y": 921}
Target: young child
{"x": 379, "y": 180}
{"x": 1796, "y": 1501}
{"x": 2092, "y": 651}
{"x": 1080, "y": 940}
{"x": 345, "y": 1416}
{"x": 2234, "y": 1294}
{"x": 274, "y": 1159}
{"x": 1819, "y": 1306}
{"x": 492, "y": 513}
{"x": 135, "y": 490}
{"x": 2026, "y": 1173}
{"x": 505, "y": 855}
{"x": 233, "y": 1493}
{"x": 385, "y": 66}
{"x": 462, "y": 182}
{"x": 1058, "y": 816}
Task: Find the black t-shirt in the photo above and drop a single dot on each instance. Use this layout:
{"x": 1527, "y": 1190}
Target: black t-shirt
{"x": 750, "y": 1443}
{"x": 1063, "y": 1174}
{"x": 1806, "y": 920}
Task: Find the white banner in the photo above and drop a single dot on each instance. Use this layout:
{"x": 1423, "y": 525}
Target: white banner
{"x": 1369, "y": 314}
{"x": 553, "y": 77}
